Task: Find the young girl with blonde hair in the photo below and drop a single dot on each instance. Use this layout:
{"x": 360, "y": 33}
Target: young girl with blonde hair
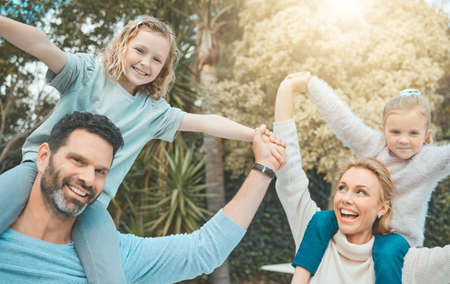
{"x": 416, "y": 167}
{"x": 128, "y": 88}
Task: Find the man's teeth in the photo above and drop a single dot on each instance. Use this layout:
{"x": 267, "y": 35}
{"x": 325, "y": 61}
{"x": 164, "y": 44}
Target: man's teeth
{"x": 346, "y": 212}
{"x": 80, "y": 193}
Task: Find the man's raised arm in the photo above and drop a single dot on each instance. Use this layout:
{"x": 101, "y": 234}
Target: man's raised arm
{"x": 268, "y": 157}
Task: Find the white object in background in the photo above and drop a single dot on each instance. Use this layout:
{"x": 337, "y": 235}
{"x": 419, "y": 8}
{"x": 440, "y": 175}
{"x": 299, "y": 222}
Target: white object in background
{"x": 282, "y": 267}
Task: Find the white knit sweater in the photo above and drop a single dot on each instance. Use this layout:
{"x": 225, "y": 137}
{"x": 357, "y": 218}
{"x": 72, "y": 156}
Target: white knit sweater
{"x": 414, "y": 179}
{"x": 344, "y": 262}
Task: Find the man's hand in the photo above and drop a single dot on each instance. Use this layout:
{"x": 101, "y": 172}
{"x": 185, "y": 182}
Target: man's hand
{"x": 268, "y": 149}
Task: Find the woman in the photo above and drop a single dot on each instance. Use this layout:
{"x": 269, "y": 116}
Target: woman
{"x": 362, "y": 200}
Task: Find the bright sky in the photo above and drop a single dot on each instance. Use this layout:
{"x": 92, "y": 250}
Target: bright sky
{"x": 444, "y": 4}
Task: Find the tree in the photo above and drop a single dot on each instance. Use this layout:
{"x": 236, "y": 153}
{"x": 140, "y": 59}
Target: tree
{"x": 21, "y": 108}
{"x": 207, "y": 51}
{"x": 86, "y": 26}
{"x": 367, "y": 57}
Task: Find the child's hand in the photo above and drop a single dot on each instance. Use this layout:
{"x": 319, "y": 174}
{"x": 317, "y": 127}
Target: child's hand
{"x": 296, "y": 82}
{"x": 269, "y": 154}
{"x": 273, "y": 138}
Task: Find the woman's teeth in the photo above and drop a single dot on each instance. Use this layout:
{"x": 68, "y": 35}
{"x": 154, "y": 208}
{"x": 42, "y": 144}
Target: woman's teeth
{"x": 346, "y": 213}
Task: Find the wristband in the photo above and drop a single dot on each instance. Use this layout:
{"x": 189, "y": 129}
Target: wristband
{"x": 265, "y": 170}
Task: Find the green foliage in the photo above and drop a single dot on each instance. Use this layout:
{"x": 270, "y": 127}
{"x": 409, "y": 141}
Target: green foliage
{"x": 269, "y": 238}
{"x": 163, "y": 193}
{"x": 437, "y": 227}
{"x": 175, "y": 196}
{"x": 366, "y": 57}
{"x": 319, "y": 188}
{"x": 19, "y": 112}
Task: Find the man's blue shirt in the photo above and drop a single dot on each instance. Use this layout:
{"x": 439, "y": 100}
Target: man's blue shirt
{"x": 169, "y": 259}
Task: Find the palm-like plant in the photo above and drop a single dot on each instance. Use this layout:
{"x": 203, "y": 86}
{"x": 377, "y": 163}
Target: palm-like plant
{"x": 178, "y": 193}
{"x": 163, "y": 193}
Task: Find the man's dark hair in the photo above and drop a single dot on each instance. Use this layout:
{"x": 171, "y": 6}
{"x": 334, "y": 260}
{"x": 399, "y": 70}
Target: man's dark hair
{"x": 93, "y": 123}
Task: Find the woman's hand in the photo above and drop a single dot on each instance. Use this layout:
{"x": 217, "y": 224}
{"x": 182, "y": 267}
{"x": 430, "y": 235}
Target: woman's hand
{"x": 284, "y": 103}
{"x": 301, "y": 276}
{"x": 295, "y": 82}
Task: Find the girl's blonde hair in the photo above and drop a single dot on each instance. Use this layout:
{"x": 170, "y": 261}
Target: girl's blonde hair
{"x": 381, "y": 224}
{"x": 407, "y": 100}
{"x": 114, "y": 55}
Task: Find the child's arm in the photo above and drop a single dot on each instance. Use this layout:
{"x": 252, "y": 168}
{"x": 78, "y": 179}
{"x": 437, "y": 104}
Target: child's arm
{"x": 427, "y": 265}
{"x": 33, "y": 41}
{"x": 347, "y": 127}
{"x": 434, "y": 162}
{"x": 219, "y": 126}
{"x": 216, "y": 125}
{"x": 388, "y": 257}
{"x": 322, "y": 227}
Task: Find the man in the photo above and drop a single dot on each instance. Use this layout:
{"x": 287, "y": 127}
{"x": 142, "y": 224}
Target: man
{"x": 72, "y": 168}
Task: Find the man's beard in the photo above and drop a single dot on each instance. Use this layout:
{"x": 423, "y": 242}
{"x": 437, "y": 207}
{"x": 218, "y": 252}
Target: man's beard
{"x": 53, "y": 191}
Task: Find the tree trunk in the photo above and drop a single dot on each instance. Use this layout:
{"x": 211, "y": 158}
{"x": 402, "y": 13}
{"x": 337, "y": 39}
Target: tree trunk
{"x": 214, "y": 177}
{"x": 207, "y": 51}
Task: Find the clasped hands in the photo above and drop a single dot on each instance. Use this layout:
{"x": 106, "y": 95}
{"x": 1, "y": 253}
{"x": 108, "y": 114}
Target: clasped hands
{"x": 268, "y": 149}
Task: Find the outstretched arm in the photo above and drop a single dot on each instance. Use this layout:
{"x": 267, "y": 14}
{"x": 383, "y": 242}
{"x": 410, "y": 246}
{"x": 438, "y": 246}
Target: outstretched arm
{"x": 434, "y": 162}
{"x": 34, "y": 42}
{"x": 348, "y": 128}
{"x": 292, "y": 184}
{"x": 216, "y": 125}
{"x": 427, "y": 265}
